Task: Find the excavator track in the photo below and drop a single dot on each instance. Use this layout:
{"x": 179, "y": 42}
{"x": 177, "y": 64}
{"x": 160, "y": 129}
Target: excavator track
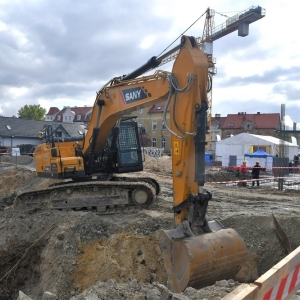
{"x": 106, "y": 197}
{"x": 151, "y": 181}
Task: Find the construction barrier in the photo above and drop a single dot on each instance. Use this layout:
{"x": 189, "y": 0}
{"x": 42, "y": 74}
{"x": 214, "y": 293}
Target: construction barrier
{"x": 244, "y": 180}
{"x": 279, "y": 283}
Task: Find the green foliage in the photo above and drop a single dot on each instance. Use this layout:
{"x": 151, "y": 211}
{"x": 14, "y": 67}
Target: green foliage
{"x": 32, "y": 112}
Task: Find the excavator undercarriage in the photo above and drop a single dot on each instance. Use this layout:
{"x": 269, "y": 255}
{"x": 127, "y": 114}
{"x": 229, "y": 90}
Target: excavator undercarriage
{"x": 118, "y": 195}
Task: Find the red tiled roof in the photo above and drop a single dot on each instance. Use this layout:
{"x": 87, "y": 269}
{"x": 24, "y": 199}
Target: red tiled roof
{"x": 82, "y": 111}
{"x": 52, "y": 111}
{"x": 260, "y": 119}
{"x": 218, "y": 120}
{"x": 158, "y": 108}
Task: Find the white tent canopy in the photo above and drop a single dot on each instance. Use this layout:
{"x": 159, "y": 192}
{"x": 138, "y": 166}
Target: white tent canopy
{"x": 242, "y": 144}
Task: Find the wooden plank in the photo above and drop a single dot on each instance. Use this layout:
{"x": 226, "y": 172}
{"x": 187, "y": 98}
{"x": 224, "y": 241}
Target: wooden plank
{"x": 243, "y": 291}
{"x": 269, "y": 280}
{"x": 282, "y": 235}
{"x": 272, "y": 277}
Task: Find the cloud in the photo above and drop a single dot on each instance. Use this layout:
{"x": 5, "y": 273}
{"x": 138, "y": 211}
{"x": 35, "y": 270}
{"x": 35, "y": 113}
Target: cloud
{"x": 57, "y": 53}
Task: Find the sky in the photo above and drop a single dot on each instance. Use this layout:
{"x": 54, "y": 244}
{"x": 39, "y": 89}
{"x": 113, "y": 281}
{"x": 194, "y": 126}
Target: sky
{"x": 59, "y": 53}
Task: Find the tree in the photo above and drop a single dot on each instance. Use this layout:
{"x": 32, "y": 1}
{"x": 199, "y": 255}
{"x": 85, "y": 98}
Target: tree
{"x": 32, "y": 112}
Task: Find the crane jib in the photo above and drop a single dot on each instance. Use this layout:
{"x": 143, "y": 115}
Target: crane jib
{"x": 134, "y": 94}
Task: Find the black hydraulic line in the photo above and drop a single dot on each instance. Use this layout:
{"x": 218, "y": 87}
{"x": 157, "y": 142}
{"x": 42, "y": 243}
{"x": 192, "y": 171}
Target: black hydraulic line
{"x": 95, "y": 135}
{"x": 199, "y": 140}
{"x": 153, "y": 62}
{"x": 115, "y": 136}
{"x": 150, "y": 64}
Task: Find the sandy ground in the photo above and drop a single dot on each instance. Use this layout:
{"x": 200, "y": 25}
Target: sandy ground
{"x": 83, "y": 255}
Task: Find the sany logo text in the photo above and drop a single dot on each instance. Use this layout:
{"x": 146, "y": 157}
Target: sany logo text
{"x": 135, "y": 94}
{"x": 132, "y": 95}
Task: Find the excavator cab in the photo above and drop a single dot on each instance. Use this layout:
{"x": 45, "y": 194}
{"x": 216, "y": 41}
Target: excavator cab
{"x": 129, "y": 157}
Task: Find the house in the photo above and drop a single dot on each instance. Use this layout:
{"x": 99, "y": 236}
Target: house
{"x": 150, "y": 119}
{"x": 81, "y": 115}
{"x": 51, "y": 114}
{"x": 17, "y": 131}
{"x": 259, "y": 123}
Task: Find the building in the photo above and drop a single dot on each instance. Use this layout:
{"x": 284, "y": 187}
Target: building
{"x": 216, "y": 131}
{"x": 150, "y": 119}
{"x": 81, "y": 115}
{"x": 17, "y": 131}
{"x": 259, "y": 124}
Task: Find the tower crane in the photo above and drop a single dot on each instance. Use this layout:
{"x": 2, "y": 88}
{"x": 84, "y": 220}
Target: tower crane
{"x": 239, "y": 22}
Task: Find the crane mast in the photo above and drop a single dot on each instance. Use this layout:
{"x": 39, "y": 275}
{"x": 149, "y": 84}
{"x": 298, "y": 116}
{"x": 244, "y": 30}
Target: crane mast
{"x": 207, "y": 32}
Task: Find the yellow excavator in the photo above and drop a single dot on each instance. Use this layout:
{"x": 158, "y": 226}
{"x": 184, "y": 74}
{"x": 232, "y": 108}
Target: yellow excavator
{"x": 196, "y": 251}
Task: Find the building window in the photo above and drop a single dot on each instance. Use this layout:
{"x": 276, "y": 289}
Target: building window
{"x": 154, "y": 124}
{"x": 163, "y": 125}
{"x": 78, "y": 117}
{"x": 58, "y": 118}
{"x": 66, "y": 118}
{"x": 163, "y": 142}
{"x": 153, "y": 142}
{"x": 140, "y": 124}
{"x": 141, "y": 111}
{"x": 8, "y": 127}
{"x": 69, "y": 118}
{"x": 58, "y": 133}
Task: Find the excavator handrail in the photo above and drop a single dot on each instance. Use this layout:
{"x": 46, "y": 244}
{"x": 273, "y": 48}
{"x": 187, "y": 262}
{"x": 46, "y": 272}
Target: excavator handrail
{"x": 158, "y": 74}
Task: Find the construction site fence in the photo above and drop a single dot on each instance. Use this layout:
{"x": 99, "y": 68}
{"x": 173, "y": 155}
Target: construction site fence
{"x": 280, "y": 282}
{"x": 282, "y": 178}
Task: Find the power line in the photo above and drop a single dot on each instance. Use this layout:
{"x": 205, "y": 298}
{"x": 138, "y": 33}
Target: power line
{"x": 181, "y": 34}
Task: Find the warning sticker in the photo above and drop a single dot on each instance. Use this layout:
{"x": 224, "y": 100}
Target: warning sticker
{"x": 176, "y": 148}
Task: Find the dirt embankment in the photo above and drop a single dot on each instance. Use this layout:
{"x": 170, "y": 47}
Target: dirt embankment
{"x": 75, "y": 254}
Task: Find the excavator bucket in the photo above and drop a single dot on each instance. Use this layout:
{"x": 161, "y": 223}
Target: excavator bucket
{"x": 198, "y": 261}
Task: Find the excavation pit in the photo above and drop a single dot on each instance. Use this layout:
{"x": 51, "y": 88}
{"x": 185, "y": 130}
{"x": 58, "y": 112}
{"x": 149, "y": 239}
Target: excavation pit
{"x": 129, "y": 261}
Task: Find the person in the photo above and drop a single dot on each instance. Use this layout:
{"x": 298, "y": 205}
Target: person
{"x": 255, "y": 173}
{"x": 243, "y": 171}
{"x": 296, "y": 160}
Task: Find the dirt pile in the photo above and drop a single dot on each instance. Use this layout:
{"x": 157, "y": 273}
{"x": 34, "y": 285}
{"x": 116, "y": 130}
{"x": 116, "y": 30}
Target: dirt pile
{"x": 84, "y": 255}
